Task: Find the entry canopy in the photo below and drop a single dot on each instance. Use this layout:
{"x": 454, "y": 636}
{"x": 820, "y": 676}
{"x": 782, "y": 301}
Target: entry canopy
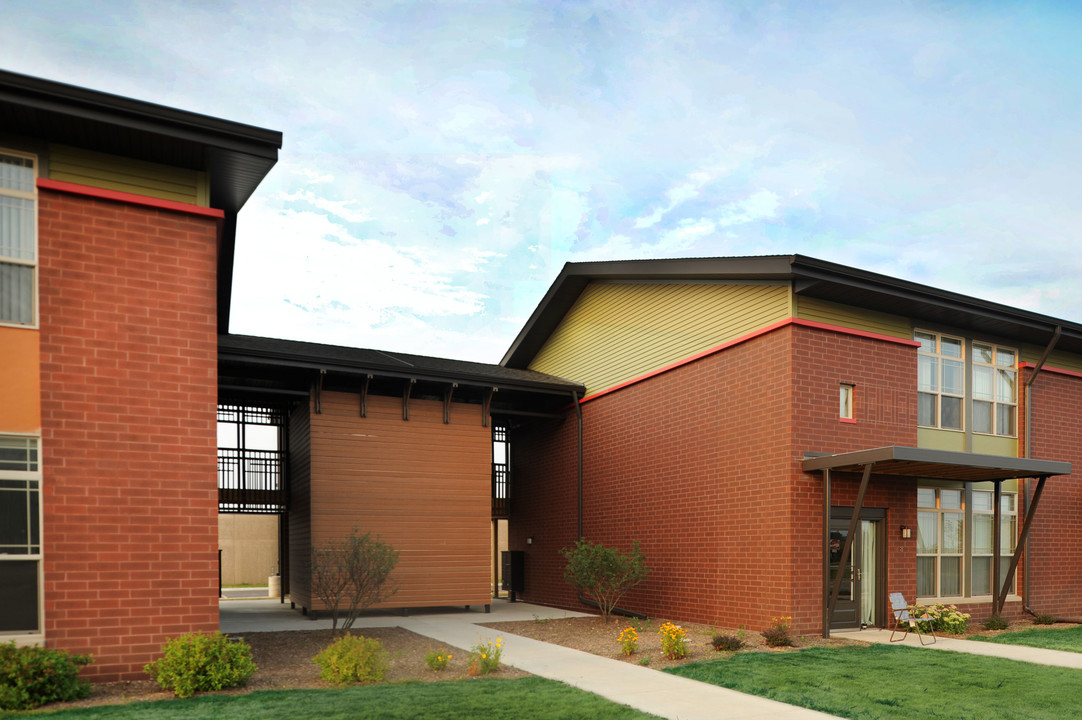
{"x": 909, "y": 462}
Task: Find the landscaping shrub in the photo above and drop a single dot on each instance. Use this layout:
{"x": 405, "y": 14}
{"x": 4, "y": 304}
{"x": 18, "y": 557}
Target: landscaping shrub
{"x": 995, "y": 622}
{"x": 353, "y": 659}
{"x": 32, "y": 676}
{"x": 629, "y": 641}
{"x": 199, "y": 662}
{"x": 726, "y": 643}
{"x": 351, "y": 575}
{"x": 604, "y": 574}
{"x": 485, "y": 657}
{"x": 778, "y": 633}
{"x": 673, "y": 641}
{"x": 437, "y": 660}
{"x": 1044, "y": 619}
{"x": 943, "y": 618}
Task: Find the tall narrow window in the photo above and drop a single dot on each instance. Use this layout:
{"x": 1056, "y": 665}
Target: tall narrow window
{"x": 18, "y": 239}
{"x": 20, "y": 536}
{"x": 994, "y": 390}
{"x": 983, "y": 524}
{"x": 940, "y": 380}
{"x": 940, "y": 542}
{"x": 846, "y": 396}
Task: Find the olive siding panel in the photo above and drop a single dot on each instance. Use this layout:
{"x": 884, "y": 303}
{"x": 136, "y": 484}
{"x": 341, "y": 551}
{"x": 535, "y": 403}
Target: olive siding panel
{"x": 421, "y": 485}
{"x": 1057, "y": 359}
{"x": 114, "y": 172}
{"x": 299, "y": 516}
{"x": 853, "y": 317}
{"x": 619, "y": 331}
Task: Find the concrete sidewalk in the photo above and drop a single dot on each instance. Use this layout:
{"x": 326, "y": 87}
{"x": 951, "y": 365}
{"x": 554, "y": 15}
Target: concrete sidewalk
{"x": 650, "y": 691}
{"x": 1039, "y": 656}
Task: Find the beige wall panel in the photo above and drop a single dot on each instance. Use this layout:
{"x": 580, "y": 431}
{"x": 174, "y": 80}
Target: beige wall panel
{"x": 249, "y": 545}
{"x": 113, "y": 172}
{"x": 619, "y": 331}
{"x": 853, "y": 317}
{"x": 421, "y": 485}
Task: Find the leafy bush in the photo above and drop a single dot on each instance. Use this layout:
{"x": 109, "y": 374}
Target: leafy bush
{"x": 485, "y": 657}
{"x": 351, "y": 575}
{"x": 1044, "y": 619}
{"x": 995, "y": 622}
{"x": 604, "y": 574}
{"x": 33, "y": 676}
{"x": 629, "y": 641}
{"x": 778, "y": 633}
{"x": 199, "y": 662}
{"x": 673, "y": 641}
{"x": 353, "y": 659}
{"x": 437, "y": 660}
{"x": 726, "y": 643}
{"x": 943, "y": 618}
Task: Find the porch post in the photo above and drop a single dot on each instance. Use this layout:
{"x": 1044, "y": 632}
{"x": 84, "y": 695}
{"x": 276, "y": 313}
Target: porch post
{"x": 1001, "y": 593}
{"x": 997, "y": 608}
{"x": 826, "y": 552}
{"x": 854, "y": 523}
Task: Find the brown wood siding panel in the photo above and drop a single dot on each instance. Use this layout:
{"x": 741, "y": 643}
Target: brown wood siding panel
{"x": 299, "y": 517}
{"x": 113, "y": 172}
{"x": 619, "y": 331}
{"x": 421, "y": 485}
{"x": 856, "y": 318}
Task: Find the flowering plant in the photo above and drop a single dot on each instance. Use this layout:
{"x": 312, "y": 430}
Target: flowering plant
{"x": 485, "y": 657}
{"x": 629, "y": 641}
{"x": 673, "y": 641}
{"x": 941, "y": 617}
{"x": 437, "y": 659}
{"x": 777, "y": 634}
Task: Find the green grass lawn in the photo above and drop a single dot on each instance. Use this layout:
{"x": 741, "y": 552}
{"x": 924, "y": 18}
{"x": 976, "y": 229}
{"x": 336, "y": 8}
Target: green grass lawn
{"x": 1069, "y": 639}
{"x": 881, "y": 681}
{"x": 529, "y": 698}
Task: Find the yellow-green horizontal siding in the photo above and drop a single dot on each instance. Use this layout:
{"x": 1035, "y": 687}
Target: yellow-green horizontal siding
{"x": 113, "y": 172}
{"x": 619, "y": 331}
{"x": 855, "y": 318}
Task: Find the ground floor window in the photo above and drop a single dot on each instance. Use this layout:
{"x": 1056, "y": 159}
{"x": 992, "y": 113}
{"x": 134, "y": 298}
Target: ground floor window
{"x": 955, "y": 531}
{"x": 20, "y": 535}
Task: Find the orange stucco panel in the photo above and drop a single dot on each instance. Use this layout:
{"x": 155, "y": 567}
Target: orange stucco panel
{"x": 20, "y": 381}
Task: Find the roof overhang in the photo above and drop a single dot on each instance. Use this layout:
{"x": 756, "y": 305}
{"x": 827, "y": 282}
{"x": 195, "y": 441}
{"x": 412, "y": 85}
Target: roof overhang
{"x": 909, "y": 462}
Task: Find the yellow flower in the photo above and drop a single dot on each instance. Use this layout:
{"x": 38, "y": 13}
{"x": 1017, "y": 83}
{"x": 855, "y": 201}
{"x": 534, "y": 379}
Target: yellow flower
{"x": 483, "y": 656}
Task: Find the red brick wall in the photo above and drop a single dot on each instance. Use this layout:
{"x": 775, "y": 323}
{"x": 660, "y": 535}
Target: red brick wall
{"x": 1056, "y": 535}
{"x": 702, "y": 465}
{"x": 129, "y": 388}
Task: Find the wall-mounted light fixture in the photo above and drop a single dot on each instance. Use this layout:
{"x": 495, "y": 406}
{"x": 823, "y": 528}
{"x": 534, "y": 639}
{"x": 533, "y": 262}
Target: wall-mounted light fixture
{"x": 907, "y": 532}
{"x": 529, "y": 541}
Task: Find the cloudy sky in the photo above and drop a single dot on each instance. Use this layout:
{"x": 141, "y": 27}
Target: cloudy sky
{"x": 443, "y": 160}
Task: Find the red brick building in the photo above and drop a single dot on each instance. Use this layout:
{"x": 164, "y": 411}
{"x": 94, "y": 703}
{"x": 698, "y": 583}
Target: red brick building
{"x": 117, "y": 222}
{"x": 730, "y": 401}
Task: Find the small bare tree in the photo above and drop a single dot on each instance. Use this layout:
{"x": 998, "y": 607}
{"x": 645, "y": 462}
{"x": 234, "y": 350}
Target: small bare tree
{"x": 351, "y": 575}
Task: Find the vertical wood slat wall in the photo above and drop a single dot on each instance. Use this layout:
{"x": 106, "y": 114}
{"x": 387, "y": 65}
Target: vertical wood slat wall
{"x": 421, "y": 485}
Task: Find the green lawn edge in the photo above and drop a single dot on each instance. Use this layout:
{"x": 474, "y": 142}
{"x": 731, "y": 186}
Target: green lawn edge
{"x": 881, "y": 681}
{"x": 1065, "y": 639}
{"x": 530, "y": 698}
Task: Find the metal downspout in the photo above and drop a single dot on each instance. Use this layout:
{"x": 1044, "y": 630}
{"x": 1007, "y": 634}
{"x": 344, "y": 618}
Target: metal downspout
{"x": 1027, "y": 450}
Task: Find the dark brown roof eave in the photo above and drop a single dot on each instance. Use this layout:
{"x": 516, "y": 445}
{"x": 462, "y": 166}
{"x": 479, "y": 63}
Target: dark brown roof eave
{"x": 925, "y": 463}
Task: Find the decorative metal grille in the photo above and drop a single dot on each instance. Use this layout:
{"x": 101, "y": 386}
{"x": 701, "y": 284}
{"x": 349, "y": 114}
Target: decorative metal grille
{"x": 251, "y": 480}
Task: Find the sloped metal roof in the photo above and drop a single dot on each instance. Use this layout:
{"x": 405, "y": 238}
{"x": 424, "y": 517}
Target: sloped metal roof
{"x": 910, "y": 462}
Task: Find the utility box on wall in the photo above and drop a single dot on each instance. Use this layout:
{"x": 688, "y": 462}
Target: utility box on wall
{"x": 512, "y": 577}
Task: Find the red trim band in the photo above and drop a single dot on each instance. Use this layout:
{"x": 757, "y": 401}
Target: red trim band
{"x": 1056, "y": 371}
{"x": 132, "y": 198}
{"x": 750, "y": 336}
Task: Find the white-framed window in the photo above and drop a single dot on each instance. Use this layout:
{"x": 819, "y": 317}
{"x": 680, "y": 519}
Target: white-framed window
{"x": 18, "y": 238}
{"x": 940, "y": 542}
{"x": 995, "y": 389}
{"x": 955, "y": 540}
{"x": 20, "y": 536}
{"x": 940, "y": 380}
{"x": 983, "y": 525}
{"x": 847, "y": 399}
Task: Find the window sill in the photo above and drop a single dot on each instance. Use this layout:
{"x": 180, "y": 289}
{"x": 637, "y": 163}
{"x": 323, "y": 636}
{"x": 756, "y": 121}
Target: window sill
{"x": 851, "y": 421}
{"x": 958, "y": 600}
{"x": 24, "y": 639}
